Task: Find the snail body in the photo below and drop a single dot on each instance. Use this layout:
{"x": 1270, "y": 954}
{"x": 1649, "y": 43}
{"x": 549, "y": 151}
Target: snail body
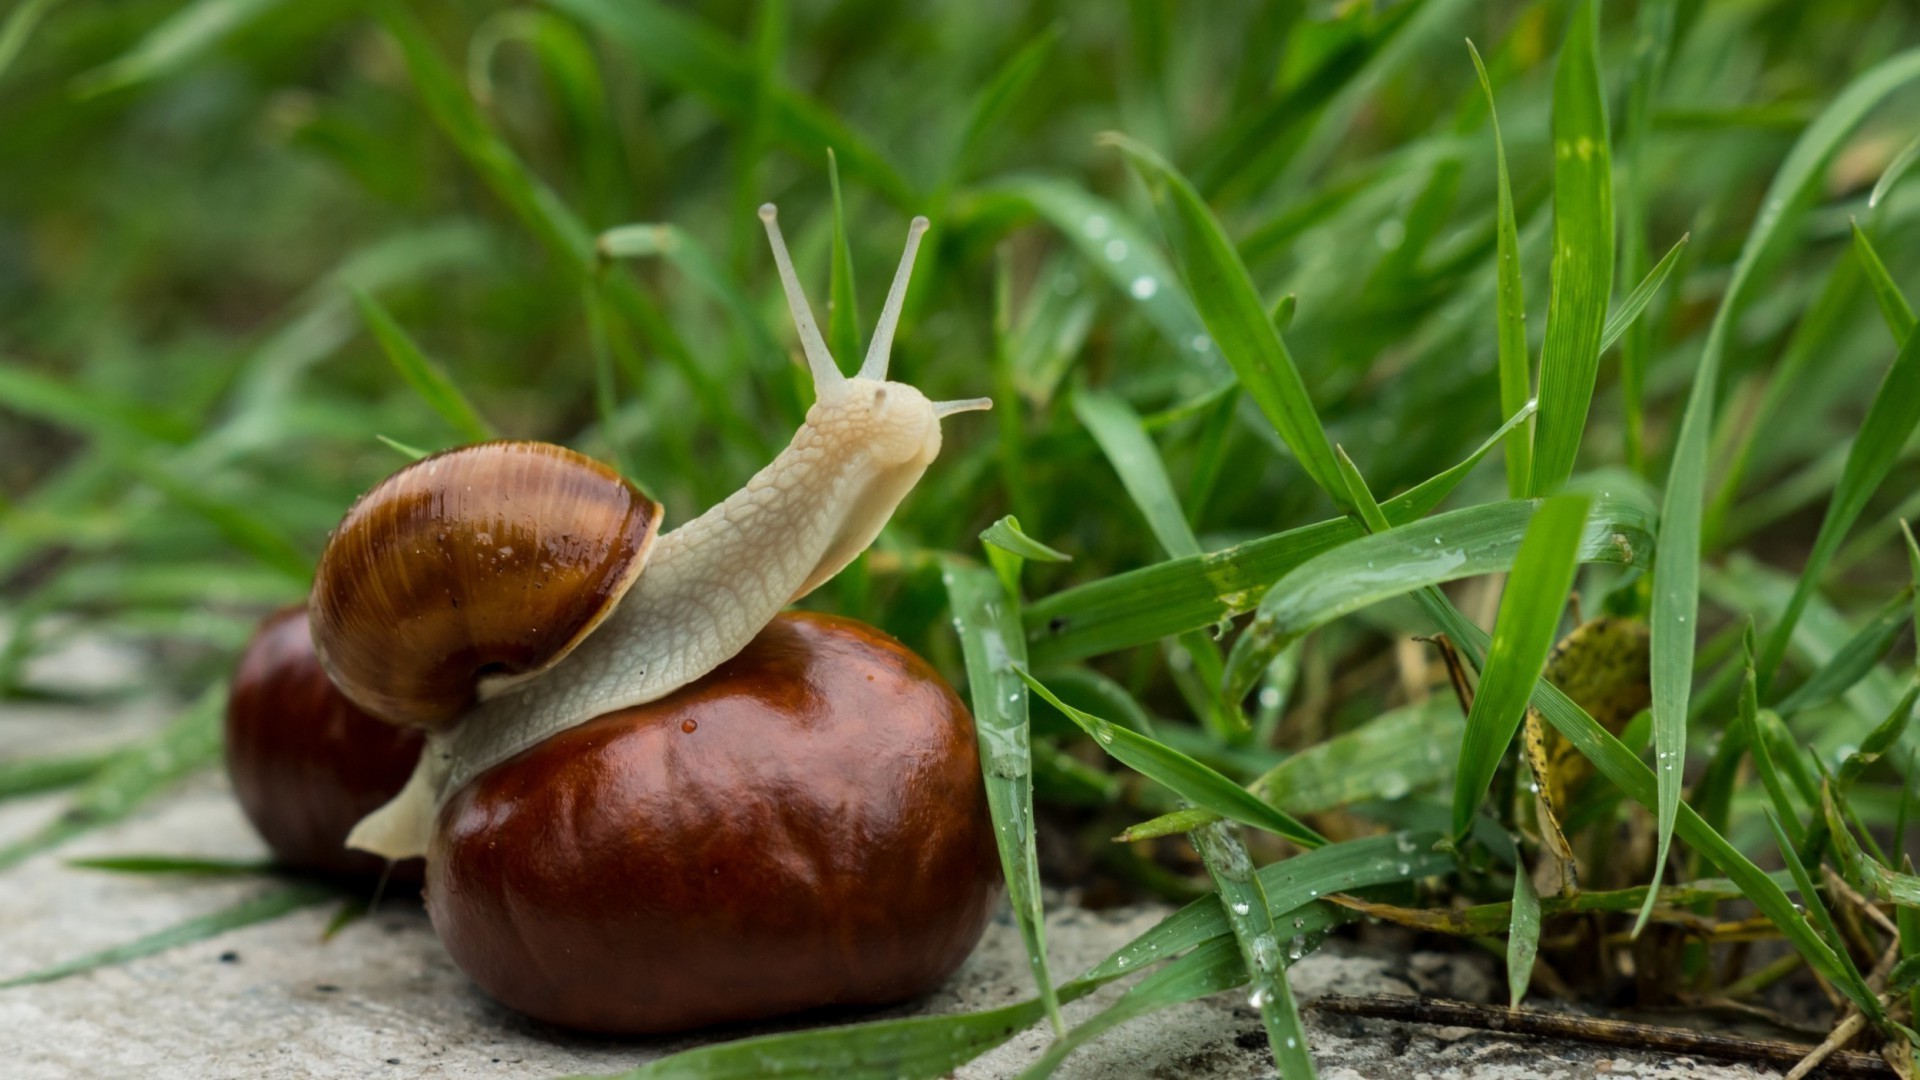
{"x": 703, "y": 591}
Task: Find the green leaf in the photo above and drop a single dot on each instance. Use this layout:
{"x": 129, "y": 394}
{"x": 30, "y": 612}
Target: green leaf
{"x": 175, "y": 43}
{"x": 1816, "y": 909}
{"x": 1245, "y": 903}
{"x": 1890, "y": 422}
{"x": 258, "y": 909}
{"x": 428, "y": 379}
{"x": 1516, "y": 374}
{"x": 691, "y": 53}
{"x": 1179, "y": 773}
{"x": 1523, "y": 932}
{"x": 1419, "y": 500}
{"x": 843, "y": 301}
{"x": 1524, "y": 632}
{"x": 1676, "y": 577}
{"x": 1005, "y": 534}
{"x": 1642, "y": 294}
{"x": 174, "y": 864}
{"x": 1116, "y": 427}
{"x": 131, "y": 776}
{"x": 1230, "y": 305}
{"x": 1446, "y": 547}
{"x": 989, "y": 627}
{"x": 1582, "y": 253}
{"x": 1893, "y": 306}
{"x": 1862, "y": 869}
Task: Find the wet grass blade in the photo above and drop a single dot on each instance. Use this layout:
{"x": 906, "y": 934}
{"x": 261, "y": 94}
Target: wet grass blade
{"x": 1180, "y": 774}
{"x": 1510, "y": 312}
{"x": 1642, "y": 295}
{"x": 1676, "y": 578}
{"x": 1245, "y": 903}
{"x": 263, "y": 908}
{"x": 132, "y": 776}
{"x": 1523, "y": 633}
{"x": 1582, "y": 282}
{"x": 990, "y": 638}
{"x": 1446, "y": 547}
{"x": 1893, "y": 306}
{"x": 1523, "y": 934}
{"x": 1236, "y": 318}
{"x": 1116, "y": 427}
{"x": 1420, "y": 499}
{"x": 428, "y": 379}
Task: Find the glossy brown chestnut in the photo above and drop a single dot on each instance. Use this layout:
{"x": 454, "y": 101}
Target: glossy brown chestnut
{"x": 803, "y": 827}
{"x": 305, "y": 763}
{"x": 486, "y": 561}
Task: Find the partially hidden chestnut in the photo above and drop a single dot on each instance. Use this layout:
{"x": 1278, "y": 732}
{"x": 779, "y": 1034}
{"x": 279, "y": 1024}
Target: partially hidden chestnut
{"x": 306, "y": 764}
{"x": 804, "y": 826}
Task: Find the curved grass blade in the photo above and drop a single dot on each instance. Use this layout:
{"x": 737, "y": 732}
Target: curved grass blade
{"x": 1893, "y": 306}
{"x": 174, "y": 44}
{"x": 1863, "y": 871}
{"x": 1179, "y": 773}
{"x": 1523, "y": 633}
{"x": 1642, "y": 295}
{"x": 691, "y": 53}
{"x": 131, "y": 776}
{"x": 1005, "y": 534}
{"x": 267, "y": 906}
{"x": 1245, "y": 903}
{"x": 428, "y": 379}
{"x": 689, "y": 256}
{"x": 1420, "y": 499}
{"x": 989, "y": 627}
{"x": 1510, "y": 311}
{"x": 1582, "y": 253}
{"x": 1676, "y": 578}
{"x": 1219, "y": 285}
{"x": 1890, "y": 422}
{"x": 1446, "y": 547}
{"x": 1897, "y": 168}
{"x": 1114, "y": 245}
{"x": 1876, "y": 744}
{"x": 1209, "y": 969}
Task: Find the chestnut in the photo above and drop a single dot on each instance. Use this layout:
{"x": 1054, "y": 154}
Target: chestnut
{"x": 306, "y": 763}
{"x": 804, "y": 826}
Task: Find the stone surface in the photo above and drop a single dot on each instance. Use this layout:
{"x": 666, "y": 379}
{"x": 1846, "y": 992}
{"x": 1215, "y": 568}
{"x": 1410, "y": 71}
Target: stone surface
{"x": 382, "y": 1000}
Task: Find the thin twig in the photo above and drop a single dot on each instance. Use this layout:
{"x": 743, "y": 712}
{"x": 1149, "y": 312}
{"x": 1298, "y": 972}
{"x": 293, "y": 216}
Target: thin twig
{"x": 1599, "y": 1032}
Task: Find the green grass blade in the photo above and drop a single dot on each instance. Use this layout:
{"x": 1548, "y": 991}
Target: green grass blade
{"x": 243, "y": 526}
{"x": 606, "y": 391}
{"x": 1210, "y": 969}
{"x": 175, "y": 43}
{"x": 18, "y": 27}
{"x": 428, "y": 379}
{"x": 685, "y": 253}
{"x": 263, "y": 908}
{"x": 1523, "y": 935}
{"x": 996, "y": 100}
{"x": 1859, "y": 655}
{"x": 1582, "y": 253}
{"x": 1516, "y": 369}
{"x": 1890, "y": 422}
{"x": 131, "y": 776}
{"x": 1237, "y": 320}
{"x": 1180, "y": 774}
{"x": 1420, "y": 499}
{"x": 1676, "y": 578}
{"x": 174, "y": 864}
{"x": 30, "y": 776}
{"x": 1642, "y": 295}
{"x": 1116, "y": 428}
{"x": 1816, "y": 909}
{"x": 1523, "y": 633}
{"x": 1245, "y": 902}
{"x": 1446, "y": 547}
{"x": 989, "y": 627}
{"x": 1893, "y": 306}
{"x": 844, "y": 338}
{"x": 1897, "y": 168}
{"x": 690, "y": 53}
{"x": 1653, "y": 34}
{"x": 1881, "y": 740}
{"x": 1005, "y": 534}
{"x": 87, "y": 411}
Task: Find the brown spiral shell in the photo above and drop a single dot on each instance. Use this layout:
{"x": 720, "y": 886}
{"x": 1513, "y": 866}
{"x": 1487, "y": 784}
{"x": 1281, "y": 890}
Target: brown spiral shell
{"x": 485, "y": 561}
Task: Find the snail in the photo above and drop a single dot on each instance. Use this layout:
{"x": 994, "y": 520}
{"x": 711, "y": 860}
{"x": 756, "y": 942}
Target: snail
{"x": 636, "y": 771}
{"x": 306, "y": 763}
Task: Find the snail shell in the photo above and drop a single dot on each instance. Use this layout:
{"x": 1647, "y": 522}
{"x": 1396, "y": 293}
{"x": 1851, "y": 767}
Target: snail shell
{"x": 471, "y": 570}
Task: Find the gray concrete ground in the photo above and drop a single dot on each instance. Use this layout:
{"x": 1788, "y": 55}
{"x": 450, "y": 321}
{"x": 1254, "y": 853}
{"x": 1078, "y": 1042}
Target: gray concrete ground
{"x": 382, "y": 1000}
